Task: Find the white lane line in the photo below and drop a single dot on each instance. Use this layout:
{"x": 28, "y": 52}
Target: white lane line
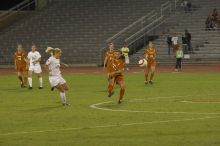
{"x": 107, "y": 126}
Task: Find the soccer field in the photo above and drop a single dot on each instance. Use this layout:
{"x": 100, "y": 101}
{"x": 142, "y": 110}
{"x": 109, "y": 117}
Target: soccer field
{"x": 179, "y": 109}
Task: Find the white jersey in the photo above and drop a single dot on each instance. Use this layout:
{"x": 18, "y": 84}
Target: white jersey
{"x": 34, "y": 56}
{"x": 175, "y": 40}
{"x": 54, "y": 66}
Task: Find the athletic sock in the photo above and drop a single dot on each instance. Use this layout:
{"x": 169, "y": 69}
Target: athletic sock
{"x": 30, "y": 81}
{"x": 122, "y": 92}
{"x": 20, "y": 78}
{"x": 63, "y": 97}
{"x": 146, "y": 77}
{"x": 151, "y": 76}
{"x": 25, "y": 80}
{"x": 110, "y": 88}
{"x": 41, "y": 81}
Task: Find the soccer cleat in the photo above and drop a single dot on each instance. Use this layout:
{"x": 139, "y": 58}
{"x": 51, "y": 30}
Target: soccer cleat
{"x": 151, "y": 82}
{"x": 30, "y": 88}
{"x": 22, "y": 85}
{"x": 119, "y": 101}
{"x": 110, "y": 94}
{"x": 40, "y": 87}
{"x": 52, "y": 88}
{"x": 66, "y": 104}
{"x": 146, "y": 82}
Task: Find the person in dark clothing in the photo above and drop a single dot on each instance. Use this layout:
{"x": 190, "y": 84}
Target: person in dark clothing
{"x": 188, "y": 41}
{"x": 169, "y": 43}
{"x": 184, "y": 44}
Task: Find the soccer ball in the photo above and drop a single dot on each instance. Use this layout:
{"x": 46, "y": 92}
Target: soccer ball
{"x": 142, "y": 62}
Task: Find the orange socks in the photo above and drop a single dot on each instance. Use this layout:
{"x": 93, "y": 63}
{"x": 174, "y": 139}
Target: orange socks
{"x": 122, "y": 92}
{"x": 146, "y": 77}
{"x": 110, "y": 88}
{"x": 151, "y": 76}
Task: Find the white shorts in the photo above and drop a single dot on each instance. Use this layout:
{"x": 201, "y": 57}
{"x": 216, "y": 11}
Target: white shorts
{"x": 56, "y": 80}
{"x": 127, "y": 60}
{"x": 35, "y": 68}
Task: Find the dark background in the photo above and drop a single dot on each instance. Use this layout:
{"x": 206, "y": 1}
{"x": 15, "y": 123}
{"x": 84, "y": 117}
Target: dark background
{"x": 7, "y": 4}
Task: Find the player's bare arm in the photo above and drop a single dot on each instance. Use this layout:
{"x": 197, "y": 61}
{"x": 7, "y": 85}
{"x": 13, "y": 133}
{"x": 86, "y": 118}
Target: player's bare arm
{"x": 64, "y": 64}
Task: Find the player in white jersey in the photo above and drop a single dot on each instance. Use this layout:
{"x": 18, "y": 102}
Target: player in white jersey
{"x": 34, "y": 58}
{"x": 56, "y": 80}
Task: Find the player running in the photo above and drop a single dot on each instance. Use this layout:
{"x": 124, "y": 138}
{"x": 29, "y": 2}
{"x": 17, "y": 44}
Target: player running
{"x": 150, "y": 55}
{"x": 20, "y": 59}
{"x": 56, "y": 80}
{"x": 34, "y": 58}
{"x": 109, "y": 56}
{"x": 116, "y": 69}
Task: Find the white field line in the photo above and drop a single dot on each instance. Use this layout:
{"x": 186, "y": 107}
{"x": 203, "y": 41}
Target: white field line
{"x": 108, "y": 126}
{"x": 96, "y": 106}
{"x": 205, "y": 102}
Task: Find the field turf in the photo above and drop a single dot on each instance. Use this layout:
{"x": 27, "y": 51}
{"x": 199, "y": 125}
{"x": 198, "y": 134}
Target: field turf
{"x": 179, "y": 109}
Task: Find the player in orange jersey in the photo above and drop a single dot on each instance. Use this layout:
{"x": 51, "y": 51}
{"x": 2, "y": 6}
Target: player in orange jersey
{"x": 20, "y": 59}
{"x": 116, "y": 69}
{"x": 109, "y": 56}
{"x": 150, "y": 55}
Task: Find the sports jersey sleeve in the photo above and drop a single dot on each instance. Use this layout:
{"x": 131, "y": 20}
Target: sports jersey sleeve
{"x": 38, "y": 55}
{"x": 48, "y": 61}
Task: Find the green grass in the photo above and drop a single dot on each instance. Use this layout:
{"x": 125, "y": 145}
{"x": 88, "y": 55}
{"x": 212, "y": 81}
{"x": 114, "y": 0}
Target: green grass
{"x": 40, "y": 114}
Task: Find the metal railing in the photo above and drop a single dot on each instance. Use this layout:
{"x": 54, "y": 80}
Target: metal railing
{"x": 176, "y": 2}
{"x": 165, "y": 6}
{"x": 19, "y": 7}
{"x": 149, "y": 22}
{"x": 140, "y": 20}
{"x": 149, "y": 26}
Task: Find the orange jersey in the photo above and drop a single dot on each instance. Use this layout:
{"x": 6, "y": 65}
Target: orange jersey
{"x": 151, "y": 54}
{"x": 20, "y": 58}
{"x": 111, "y": 56}
{"x": 116, "y": 65}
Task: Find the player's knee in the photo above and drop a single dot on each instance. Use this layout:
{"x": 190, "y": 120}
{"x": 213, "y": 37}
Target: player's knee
{"x": 66, "y": 88}
{"x": 123, "y": 86}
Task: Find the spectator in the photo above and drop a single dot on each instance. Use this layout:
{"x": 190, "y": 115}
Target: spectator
{"x": 189, "y": 6}
{"x": 184, "y": 44}
{"x": 209, "y": 23}
{"x": 174, "y": 42}
{"x": 185, "y": 2}
{"x": 215, "y": 15}
{"x": 169, "y": 43}
{"x": 188, "y": 41}
{"x": 179, "y": 56}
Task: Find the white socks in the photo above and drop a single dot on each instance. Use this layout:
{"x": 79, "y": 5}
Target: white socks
{"x": 30, "y": 81}
{"x": 63, "y": 97}
{"x": 41, "y": 81}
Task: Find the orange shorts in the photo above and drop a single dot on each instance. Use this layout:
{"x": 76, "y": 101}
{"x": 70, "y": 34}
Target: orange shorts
{"x": 151, "y": 64}
{"x": 119, "y": 78}
{"x": 21, "y": 68}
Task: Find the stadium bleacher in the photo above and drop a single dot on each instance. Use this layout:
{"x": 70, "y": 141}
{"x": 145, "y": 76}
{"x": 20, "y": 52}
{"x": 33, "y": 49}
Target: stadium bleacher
{"x": 206, "y": 44}
{"x": 81, "y": 29}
